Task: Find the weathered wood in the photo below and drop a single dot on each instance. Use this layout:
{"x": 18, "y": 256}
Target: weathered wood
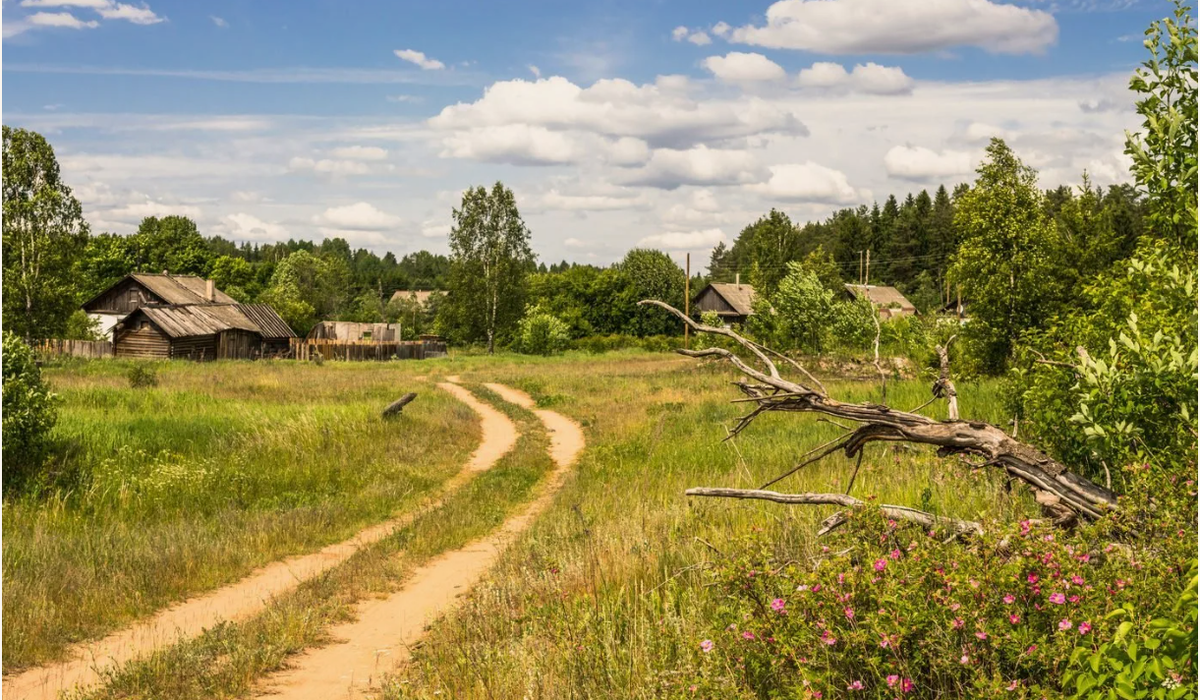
{"x": 880, "y": 423}
{"x": 395, "y": 407}
{"x": 960, "y": 527}
{"x": 944, "y": 386}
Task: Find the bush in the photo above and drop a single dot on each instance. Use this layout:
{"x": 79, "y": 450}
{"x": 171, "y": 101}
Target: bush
{"x": 542, "y": 333}
{"x": 29, "y": 415}
{"x": 142, "y": 376}
{"x": 1018, "y": 612}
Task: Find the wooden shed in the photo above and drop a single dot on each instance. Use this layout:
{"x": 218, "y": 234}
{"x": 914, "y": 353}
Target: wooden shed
{"x": 734, "y": 303}
{"x": 350, "y": 330}
{"x": 200, "y": 332}
{"x": 888, "y": 300}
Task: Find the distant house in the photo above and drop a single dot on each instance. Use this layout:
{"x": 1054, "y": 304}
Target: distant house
{"x": 734, "y": 303}
{"x": 185, "y": 317}
{"x": 421, "y": 297}
{"x": 888, "y": 300}
{"x": 349, "y": 330}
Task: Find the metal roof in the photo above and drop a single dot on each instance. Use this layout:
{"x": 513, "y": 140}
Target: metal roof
{"x": 181, "y": 289}
{"x": 738, "y": 296}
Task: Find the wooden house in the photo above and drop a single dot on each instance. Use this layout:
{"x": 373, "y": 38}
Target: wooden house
{"x": 350, "y": 330}
{"x": 734, "y": 303}
{"x": 888, "y": 300}
{"x": 183, "y": 316}
{"x": 421, "y": 297}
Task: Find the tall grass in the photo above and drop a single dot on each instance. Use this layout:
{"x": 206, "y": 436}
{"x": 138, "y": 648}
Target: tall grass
{"x": 221, "y": 468}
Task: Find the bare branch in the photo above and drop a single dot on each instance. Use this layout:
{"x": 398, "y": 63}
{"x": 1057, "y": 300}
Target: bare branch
{"x": 785, "y": 358}
{"x": 699, "y": 328}
{"x": 878, "y": 367}
{"x": 833, "y": 446}
{"x": 961, "y": 527}
{"x": 944, "y": 386}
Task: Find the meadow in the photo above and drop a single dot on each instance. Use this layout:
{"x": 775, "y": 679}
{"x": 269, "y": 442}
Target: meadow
{"x": 225, "y": 466}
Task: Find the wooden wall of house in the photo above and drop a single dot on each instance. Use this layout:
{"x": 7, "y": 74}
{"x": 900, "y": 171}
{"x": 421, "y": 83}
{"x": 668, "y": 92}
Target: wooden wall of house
{"x": 711, "y": 301}
{"x": 196, "y": 347}
{"x": 237, "y": 344}
{"x": 275, "y": 347}
{"x": 127, "y": 296}
{"x": 146, "y": 340}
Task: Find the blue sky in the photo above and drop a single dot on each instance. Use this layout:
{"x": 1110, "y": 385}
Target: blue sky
{"x": 665, "y": 124}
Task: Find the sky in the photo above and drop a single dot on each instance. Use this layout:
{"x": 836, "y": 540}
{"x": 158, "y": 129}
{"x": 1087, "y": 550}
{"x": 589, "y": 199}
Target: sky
{"x": 664, "y": 124}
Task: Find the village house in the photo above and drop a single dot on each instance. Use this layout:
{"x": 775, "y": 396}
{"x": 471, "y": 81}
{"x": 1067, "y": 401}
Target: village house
{"x": 888, "y": 300}
{"x": 185, "y": 317}
{"x": 734, "y": 303}
{"x": 350, "y": 330}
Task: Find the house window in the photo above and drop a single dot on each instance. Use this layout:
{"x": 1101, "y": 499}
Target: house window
{"x": 144, "y": 326}
{"x": 366, "y": 335}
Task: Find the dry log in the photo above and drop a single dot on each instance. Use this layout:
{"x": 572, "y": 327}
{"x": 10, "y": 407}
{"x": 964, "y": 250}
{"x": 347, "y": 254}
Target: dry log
{"x": 395, "y": 407}
{"x": 880, "y": 423}
{"x": 960, "y": 527}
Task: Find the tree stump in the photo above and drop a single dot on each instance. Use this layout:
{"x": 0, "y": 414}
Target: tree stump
{"x": 398, "y": 405}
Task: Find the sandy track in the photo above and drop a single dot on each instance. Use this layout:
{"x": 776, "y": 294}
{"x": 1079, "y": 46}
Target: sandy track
{"x": 86, "y": 662}
{"x": 380, "y": 637}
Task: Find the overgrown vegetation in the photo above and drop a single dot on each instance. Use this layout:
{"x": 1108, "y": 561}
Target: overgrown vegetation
{"x": 30, "y": 413}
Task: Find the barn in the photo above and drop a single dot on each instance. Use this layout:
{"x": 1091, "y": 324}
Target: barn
{"x": 734, "y": 303}
{"x": 350, "y": 330}
{"x": 888, "y": 300}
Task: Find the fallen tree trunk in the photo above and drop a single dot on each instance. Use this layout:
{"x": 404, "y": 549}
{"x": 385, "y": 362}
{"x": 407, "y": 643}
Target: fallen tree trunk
{"x": 1064, "y": 494}
{"x": 395, "y": 407}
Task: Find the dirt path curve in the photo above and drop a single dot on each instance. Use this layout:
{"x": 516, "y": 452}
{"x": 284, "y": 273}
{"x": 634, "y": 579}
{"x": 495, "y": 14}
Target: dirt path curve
{"x": 384, "y": 630}
{"x": 245, "y": 598}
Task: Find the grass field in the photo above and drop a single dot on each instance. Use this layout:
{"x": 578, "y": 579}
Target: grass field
{"x": 605, "y": 596}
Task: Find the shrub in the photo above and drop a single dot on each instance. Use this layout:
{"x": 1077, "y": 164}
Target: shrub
{"x": 142, "y": 376}
{"x": 542, "y": 333}
{"x": 29, "y": 415}
{"x": 1015, "y": 612}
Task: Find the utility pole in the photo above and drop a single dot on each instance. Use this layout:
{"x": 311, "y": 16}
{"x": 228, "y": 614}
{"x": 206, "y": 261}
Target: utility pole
{"x": 860, "y": 266}
{"x": 687, "y": 301}
{"x": 867, "y": 278}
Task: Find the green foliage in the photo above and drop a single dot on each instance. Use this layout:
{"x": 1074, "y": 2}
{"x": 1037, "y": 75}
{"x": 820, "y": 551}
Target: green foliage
{"x": 29, "y": 415}
{"x": 235, "y": 276}
{"x": 306, "y": 288}
{"x": 853, "y": 324}
{"x": 650, "y": 274}
{"x": 490, "y": 260}
{"x": 1004, "y": 263}
{"x": 542, "y": 333}
{"x": 44, "y": 235}
{"x": 800, "y": 313}
{"x": 81, "y": 326}
{"x": 142, "y": 376}
{"x": 172, "y": 243}
{"x": 1164, "y": 152}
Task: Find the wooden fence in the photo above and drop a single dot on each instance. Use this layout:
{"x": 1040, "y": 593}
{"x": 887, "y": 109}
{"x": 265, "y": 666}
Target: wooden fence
{"x": 74, "y": 348}
{"x": 357, "y": 350}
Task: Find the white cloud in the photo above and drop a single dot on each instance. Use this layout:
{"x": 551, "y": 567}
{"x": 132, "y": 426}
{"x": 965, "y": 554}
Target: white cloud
{"x": 90, "y": 4}
{"x": 360, "y": 153}
{"x": 419, "y": 59}
{"x": 889, "y": 26}
{"x": 556, "y": 200}
{"x": 978, "y": 131}
{"x": 435, "y": 229}
{"x": 721, "y": 29}
{"x": 60, "y": 19}
{"x": 405, "y": 98}
{"x": 576, "y": 243}
{"x": 537, "y": 72}
{"x": 220, "y": 22}
{"x": 136, "y": 211}
{"x": 870, "y": 78}
{"x": 328, "y": 166}
{"x": 738, "y": 67}
{"x": 136, "y": 15}
{"x": 919, "y": 163}
{"x": 676, "y": 240}
{"x": 518, "y": 144}
{"x": 679, "y": 33}
{"x": 809, "y": 182}
{"x": 360, "y": 216}
{"x": 242, "y": 226}
{"x": 670, "y": 168}
{"x": 699, "y": 39}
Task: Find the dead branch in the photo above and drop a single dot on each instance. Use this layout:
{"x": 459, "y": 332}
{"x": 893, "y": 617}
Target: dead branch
{"x": 1066, "y": 493}
{"x": 944, "y": 386}
{"x": 395, "y": 407}
{"x": 920, "y": 517}
{"x": 878, "y": 367}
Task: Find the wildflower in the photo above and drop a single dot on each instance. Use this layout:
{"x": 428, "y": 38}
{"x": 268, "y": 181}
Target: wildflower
{"x": 954, "y": 607}
{"x": 1014, "y": 618}
{"x": 1084, "y": 628}
{"x": 880, "y": 564}
{"x": 1014, "y": 685}
{"x": 747, "y": 635}
{"x": 828, "y": 638}
{"x": 1077, "y": 580}
{"x": 1064, "y": 625}
{"x": 1032, "y": 648}
{"x": 802, "y": 587}
{"x": 895, "y": 554}
{"x": 707, "y": 645}
{"x": 816, "y": 588}
{"x": 1058, "y": 598}
{"x": 906, "y": 685}
{"x": 1008, "y": 599}
{"x": 841, "y": 578}
{"x": 981, "y": 635}
{"x": 1032, "y": 578}
{"x": 778, "y": 605}
{"x": 1121, "y": 583}
{"x": 892, "y": 680}
{"x": 849, "y": 613}
{"x": 856, "y": 685}
{"x": 957, "y": 624}
{"x": 965, "y": 660}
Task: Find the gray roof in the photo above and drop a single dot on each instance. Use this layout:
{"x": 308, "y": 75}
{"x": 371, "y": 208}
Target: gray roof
{"x": 883, "y": 297}
{"x": 185, "y": 320}
{"x": 739, "y": 296}
{"x": 422, "y": 297}
{"x": 181, "y": 289}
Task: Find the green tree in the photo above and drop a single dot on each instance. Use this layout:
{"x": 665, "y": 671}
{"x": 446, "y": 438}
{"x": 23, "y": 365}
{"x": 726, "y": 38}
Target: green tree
{"x": 801, "y": 311}
{"x": 44, "y": 237}
{"x": 542, "y": 333}
{"x": 650, "y": 274}
{"x": 1164, "y": 153}
{"x": 1004, "y": 263}
{"x": 490, "y": 260}
{"x": 29, "y": 414}
{"x": 235, "y": 277}
{"x": 172, "y": 243}
{"x": 305, "y": 288}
